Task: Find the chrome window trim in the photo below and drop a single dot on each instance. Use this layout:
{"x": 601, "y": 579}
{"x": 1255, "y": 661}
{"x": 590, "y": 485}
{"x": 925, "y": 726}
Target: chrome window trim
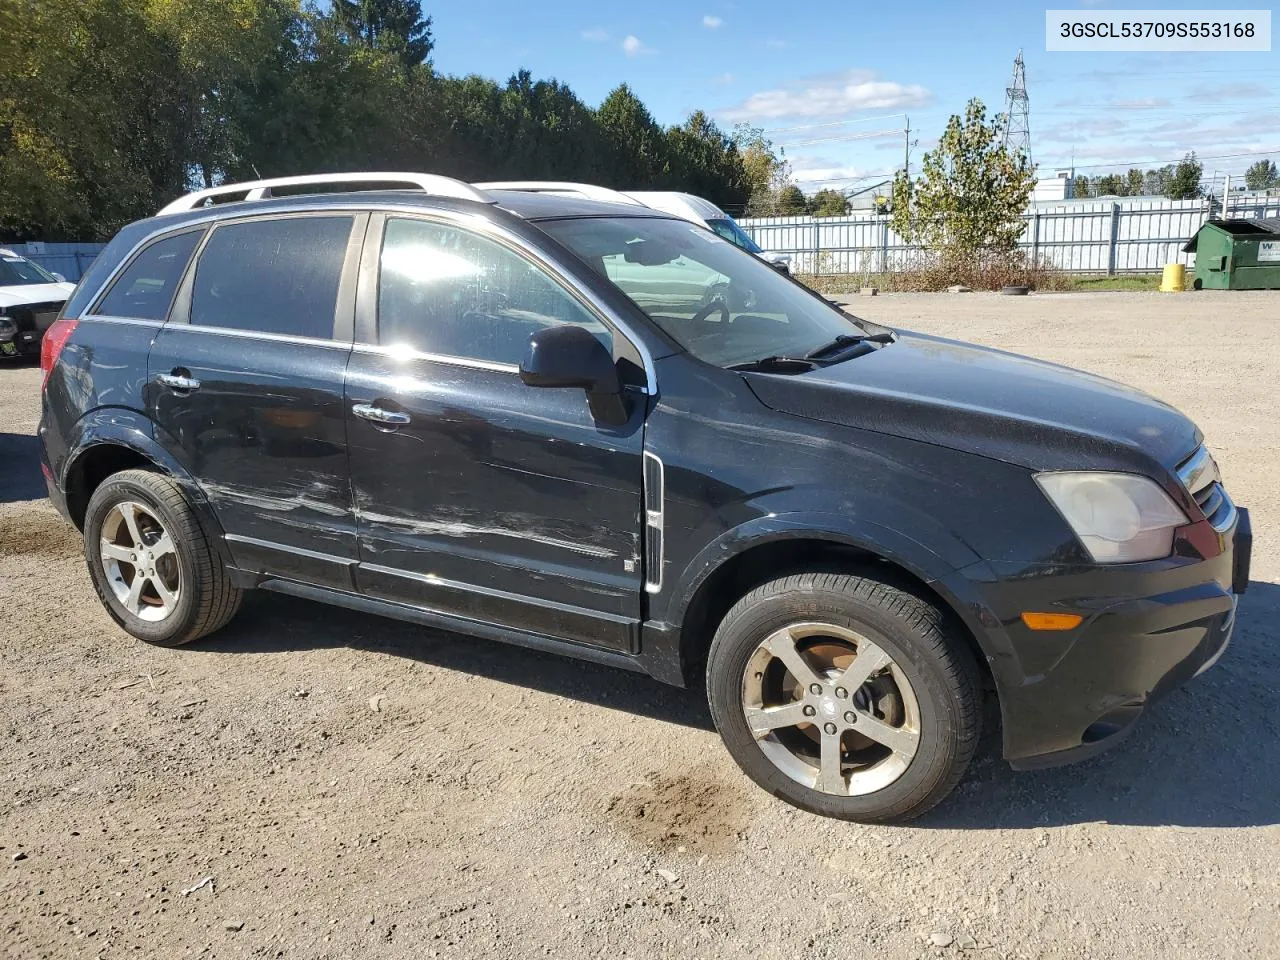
{"x": 260, "y": 335}
{"x": 408, "y": 353}
{"x": 134, "y": 321}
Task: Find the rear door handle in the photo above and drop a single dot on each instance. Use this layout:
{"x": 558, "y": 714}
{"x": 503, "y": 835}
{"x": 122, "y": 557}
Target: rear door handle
{"x": 367, "y": 411}
{"x": 179, "y": 381}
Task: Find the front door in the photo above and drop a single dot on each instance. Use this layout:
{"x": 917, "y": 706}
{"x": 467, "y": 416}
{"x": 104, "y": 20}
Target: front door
{"x": 246, "y": 390}
{"x": 476, "y": 495}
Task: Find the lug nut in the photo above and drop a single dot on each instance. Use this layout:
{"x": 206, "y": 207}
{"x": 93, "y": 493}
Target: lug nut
{"x": 815, "y": 689}
{"x": 850, "y": 717}
{"x": 841, "y": 692}
{"x": 808, "y": 711}
{"x": 830, "y": 728}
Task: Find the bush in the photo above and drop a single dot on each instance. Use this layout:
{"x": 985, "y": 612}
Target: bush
{"x": 934, "y": 273}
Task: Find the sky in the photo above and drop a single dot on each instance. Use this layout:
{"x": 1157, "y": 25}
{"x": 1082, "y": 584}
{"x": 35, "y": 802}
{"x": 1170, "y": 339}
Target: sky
{"x": 831, "y": 81}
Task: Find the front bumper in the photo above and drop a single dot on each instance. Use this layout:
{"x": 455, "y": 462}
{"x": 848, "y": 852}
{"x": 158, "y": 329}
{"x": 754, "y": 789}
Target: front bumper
{"x": 1148, "y": 628}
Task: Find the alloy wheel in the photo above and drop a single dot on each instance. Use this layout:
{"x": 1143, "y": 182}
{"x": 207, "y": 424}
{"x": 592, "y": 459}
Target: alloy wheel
{"x": 831, "y": 709}
{"x": 140, "y": 561}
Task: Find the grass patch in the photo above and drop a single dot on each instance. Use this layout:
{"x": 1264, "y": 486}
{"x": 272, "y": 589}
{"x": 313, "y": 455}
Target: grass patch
{"x": 1138, "y": 281}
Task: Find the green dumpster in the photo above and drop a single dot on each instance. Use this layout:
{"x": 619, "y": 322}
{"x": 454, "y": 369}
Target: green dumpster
{"x": 1237, "y": 255}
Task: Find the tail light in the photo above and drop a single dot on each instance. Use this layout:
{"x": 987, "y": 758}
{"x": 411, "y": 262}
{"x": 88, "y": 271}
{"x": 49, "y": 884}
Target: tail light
{"x": 55, "y": 338}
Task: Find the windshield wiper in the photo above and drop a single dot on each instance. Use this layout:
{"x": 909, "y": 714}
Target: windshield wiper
{"x": 847, "y": 340}
{"x": 777, "y": 365}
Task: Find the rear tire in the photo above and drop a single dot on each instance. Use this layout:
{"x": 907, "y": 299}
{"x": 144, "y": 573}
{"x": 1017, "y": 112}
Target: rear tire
{"x": 879, "y": 748}
{"x": 153, "y": 564}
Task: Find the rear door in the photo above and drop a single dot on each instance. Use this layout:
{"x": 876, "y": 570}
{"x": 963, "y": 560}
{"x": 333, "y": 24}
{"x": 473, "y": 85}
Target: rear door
{"x": 477, "y": 495}
{"x": 246, "y": 388}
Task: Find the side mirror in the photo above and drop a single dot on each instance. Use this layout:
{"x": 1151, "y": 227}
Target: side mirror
{"x": 59, "y": 277}
{"x": 570, "y": 356}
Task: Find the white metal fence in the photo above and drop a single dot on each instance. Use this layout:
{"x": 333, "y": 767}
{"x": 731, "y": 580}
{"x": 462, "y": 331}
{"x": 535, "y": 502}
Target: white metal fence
{"x": 1126, "y": 235}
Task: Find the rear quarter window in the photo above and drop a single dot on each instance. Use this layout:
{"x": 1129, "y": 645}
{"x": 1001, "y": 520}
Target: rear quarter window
{"x": 145, "y": 290}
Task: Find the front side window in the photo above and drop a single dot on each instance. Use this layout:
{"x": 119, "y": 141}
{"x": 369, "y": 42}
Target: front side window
{"x": 723, "y": 305}
{"x": 447, "y": 291}
{"x": 272, "y": 276}
{"x": 145, "y": 289}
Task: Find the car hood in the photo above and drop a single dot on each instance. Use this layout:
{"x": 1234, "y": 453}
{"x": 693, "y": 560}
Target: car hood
{"x": 15, "y": 295}
{"x": 997, "y": 404}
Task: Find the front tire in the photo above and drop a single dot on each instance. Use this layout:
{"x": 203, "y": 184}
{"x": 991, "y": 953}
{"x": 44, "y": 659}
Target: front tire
{"x": 845, "y": 696}
{"x": 153, "y": 563}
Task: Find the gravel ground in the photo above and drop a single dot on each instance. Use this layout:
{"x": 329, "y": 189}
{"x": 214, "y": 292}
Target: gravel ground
{"x": 361, "y": 788}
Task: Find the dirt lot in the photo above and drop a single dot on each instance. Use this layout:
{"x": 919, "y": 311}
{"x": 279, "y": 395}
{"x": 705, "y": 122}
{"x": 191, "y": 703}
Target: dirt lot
{"x": 502, "y": 803}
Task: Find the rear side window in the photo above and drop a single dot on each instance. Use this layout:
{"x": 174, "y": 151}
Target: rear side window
{"x": 145, "y": 290}
{"x": 447, "y": 291}
{"x": 272, "y": 276}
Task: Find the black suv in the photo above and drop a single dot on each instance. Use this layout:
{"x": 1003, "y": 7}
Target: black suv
{"x": 591, "y": 428}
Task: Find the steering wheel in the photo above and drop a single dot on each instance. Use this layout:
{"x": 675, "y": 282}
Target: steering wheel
{"x": 710, "y": 308}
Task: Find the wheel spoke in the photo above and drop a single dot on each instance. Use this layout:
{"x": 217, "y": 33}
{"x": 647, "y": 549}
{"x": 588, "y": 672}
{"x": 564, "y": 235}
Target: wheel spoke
{"x": 129, "y": 511}
{"x": 830, "y": 779}
{"x": 167, "y": 597}
{"x": 901, "y": 740}
{"x": 133, "y": 601}
{"x": 113, "y": 551}
{"x": 764, "y": 720}
{"x": 162, "y": 547}
{"x": 783, "y": 646}
{"x": 868, "y": 661}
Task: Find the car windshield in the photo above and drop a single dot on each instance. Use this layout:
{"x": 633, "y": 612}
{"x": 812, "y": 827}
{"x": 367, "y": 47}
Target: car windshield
{"x": 16, "y": 271}
{"x": 723, "y": 305}
{"x": 734, "y": 234}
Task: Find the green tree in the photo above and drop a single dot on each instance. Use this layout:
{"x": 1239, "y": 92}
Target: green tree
{"x": 791, "y": 202}
{"x": 1081, "y": 187}
{"x": 766, "y": 169}
{"x": 1134, "y": 180}
{"x": 1185, "y": 182}
{"x": 1111, "y": 185}
{"x": 637, "y": 144}
{"x": 396, "y": 26}
{"x": 1262, "y": 175}
{"x": 971, "y": 193}
{"x": 706, "y": 162}
{"x": 828, "y": 203}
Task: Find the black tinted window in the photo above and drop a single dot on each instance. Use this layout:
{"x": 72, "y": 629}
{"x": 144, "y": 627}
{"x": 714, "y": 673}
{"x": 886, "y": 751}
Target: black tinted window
{"x": 145, "y": 290}
{"x": 272, "y": 276}
{"x": 446, "y": 291}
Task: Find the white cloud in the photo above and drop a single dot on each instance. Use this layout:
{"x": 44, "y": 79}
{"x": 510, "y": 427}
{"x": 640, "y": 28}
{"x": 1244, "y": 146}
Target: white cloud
{"x": 633, "y": 47}
{"x": 724, "y": 79}
{"x": 712, "y": 23}
{"x": 1230, "y": 91}
{"x": 829, "y": 95}
{"x": 595, "y": 35}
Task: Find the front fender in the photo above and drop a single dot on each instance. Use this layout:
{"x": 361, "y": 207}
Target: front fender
{"x": 945, "y": 553}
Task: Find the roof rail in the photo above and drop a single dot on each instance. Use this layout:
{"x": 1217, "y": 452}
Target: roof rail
{"x": 262, "y": 189}
{"x": 588, "y": 191}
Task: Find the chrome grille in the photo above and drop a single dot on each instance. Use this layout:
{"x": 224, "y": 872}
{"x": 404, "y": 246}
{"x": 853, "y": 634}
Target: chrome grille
{"x": 1199, "y": 474}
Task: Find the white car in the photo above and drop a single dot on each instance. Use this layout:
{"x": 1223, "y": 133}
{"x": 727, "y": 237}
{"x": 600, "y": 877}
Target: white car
{"x": 697, "y": 210}
{"x": 686, "y": 206}
{"x": 30, "y": 300}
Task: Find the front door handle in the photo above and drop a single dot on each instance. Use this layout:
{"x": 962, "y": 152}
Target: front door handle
{"x": 393, "y": 418}
{"x": 179, "y": 381}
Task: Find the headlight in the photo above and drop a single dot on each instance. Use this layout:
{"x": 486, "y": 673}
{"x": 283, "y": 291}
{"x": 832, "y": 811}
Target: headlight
{"x": 1119, "y": 517}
